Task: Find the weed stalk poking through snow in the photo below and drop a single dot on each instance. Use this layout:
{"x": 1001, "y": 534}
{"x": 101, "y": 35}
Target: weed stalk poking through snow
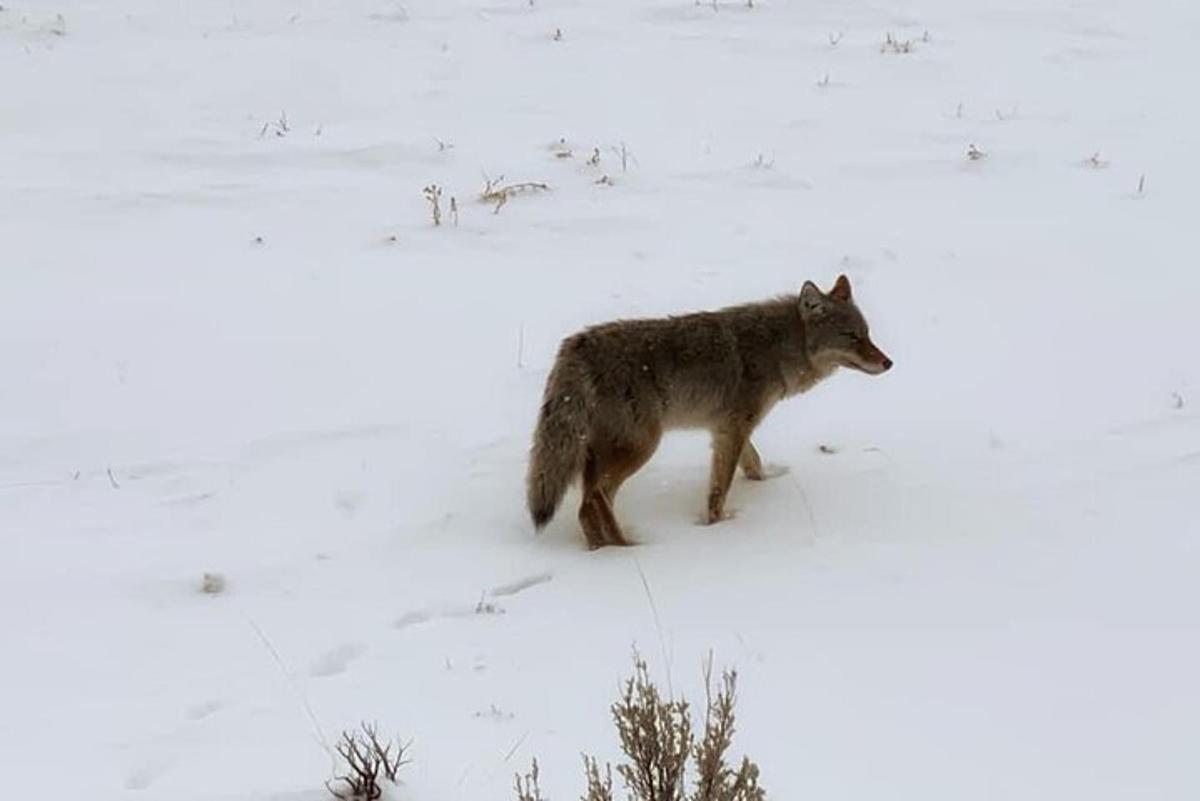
{"x": 498, "y": 192}
{"x": 433, "y": 193}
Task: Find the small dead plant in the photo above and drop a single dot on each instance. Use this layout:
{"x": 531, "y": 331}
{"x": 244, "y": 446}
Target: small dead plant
{"x": 893, "y": 45}
{"x": 625, "y": 155}
{"x": 279, "y": 127}
{"x": 366, "y": 761}
{"x": 497, "y": 192}
{"x": 433, "y": 193}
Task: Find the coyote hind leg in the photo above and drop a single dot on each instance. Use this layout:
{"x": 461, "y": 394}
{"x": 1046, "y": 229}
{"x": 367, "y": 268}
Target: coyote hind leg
{"x": 604, "y": 473}
{"x": 753, "y": 467}
{"x": 751, "y": 463}
{"x": 592, "y": 520}
{"x": 595, "y": 512}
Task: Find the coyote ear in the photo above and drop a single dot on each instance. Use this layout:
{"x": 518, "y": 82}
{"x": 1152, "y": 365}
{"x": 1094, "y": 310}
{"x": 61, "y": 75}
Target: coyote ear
{"x": 841, "y": 288}
{"x": 811, "y": 299}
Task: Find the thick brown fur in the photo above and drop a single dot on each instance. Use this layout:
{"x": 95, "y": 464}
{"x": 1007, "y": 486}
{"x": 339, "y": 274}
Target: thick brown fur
{"x": 616, "y": 387}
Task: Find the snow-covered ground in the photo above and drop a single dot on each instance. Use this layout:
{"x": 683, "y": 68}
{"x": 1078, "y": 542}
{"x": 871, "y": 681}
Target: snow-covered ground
{"x": 233, "y": 342}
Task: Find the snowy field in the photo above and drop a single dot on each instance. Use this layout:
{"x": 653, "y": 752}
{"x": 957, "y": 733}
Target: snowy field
{"x": 233, "y": 342}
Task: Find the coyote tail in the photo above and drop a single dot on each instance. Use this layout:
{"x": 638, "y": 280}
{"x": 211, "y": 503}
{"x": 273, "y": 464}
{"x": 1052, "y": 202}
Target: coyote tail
{"x": 560, "y": 441}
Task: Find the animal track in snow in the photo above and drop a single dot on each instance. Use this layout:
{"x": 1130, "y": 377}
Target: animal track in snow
{"x": 520, "y": 585}
{"x": 413, "y": 619}
{"x": 482, "y": 607}
{"x": 419, "y": 616}
{"x": 334, "y": 662}
{"x": 201, "y": 711}
{"x": 146, "y": 775}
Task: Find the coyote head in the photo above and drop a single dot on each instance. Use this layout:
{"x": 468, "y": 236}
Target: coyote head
{"x": 835, "y": 331}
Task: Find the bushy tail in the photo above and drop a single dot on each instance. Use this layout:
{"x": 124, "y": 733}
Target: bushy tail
{"x": 560, "y": 441}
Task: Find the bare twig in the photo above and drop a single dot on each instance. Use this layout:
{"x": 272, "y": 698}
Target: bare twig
{"x": 520, "y": 741}
{"x": 498, "y": 192}
{"x": 280, "y": 126}
{"x": 658, "y": 629}
{"x": 433, "y": 193}
{"x": 626, "y": 157}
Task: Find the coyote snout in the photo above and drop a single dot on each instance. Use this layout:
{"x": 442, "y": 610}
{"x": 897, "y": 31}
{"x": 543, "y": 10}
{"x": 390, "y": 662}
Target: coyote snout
{"x": 616, "y": 387}
{"x": 870, "y": 359}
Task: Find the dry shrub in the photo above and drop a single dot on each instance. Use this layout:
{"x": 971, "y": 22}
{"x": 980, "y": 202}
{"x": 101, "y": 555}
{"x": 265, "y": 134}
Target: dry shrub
{"x": 367, "y": 760}
{"x": 658, "y": 742}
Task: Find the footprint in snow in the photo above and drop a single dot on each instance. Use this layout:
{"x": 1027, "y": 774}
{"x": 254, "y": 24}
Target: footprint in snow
{"x": 455, "y": 612}
{"x": 482, "y": 607}
{"x": 201, "y": 711}
{"x": 334, "y": 662}
{"x": 520, "y": 585}
{"x": 141, "y": 778}
{"x": 412, "y": 619}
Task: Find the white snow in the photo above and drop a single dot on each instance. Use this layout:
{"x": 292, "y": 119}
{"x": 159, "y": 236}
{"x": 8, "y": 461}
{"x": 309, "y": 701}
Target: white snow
{"x": 244, "y": 351}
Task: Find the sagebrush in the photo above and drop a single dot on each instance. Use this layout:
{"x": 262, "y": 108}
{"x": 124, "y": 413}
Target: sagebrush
{"x": 659, "y": 745}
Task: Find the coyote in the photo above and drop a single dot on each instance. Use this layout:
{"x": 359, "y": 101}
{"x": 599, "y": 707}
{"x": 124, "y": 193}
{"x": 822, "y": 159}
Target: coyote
{"x": 616, "y": 387}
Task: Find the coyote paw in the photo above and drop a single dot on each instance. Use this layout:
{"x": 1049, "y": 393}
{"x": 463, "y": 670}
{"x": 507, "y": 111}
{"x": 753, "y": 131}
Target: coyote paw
{"x": 712, "y": 517}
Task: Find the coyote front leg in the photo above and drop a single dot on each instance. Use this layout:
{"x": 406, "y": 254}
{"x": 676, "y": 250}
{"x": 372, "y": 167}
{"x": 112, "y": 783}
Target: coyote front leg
{"x": 729, "y": 444}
